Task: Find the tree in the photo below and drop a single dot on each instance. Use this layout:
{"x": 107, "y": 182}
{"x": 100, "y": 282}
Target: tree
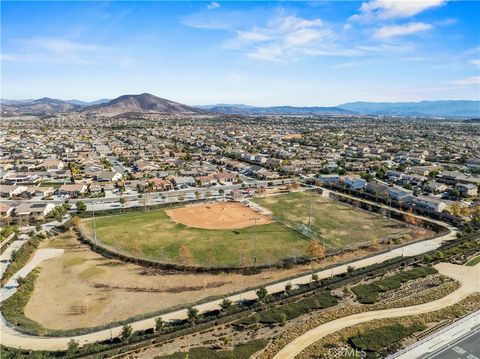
{"x": 225, "y": 304}
{"x": 197, "y": 195}
{"x": 185, "y": 254}
{"x": 262, "y": 294}
{"x": 81, "y": 207}
{"x": 316, "y": 249}
{"x": 288, "y": 288}
{"x": 350, "y": 269}
{"x": 409, "y": 218}
{"x": 192, "y": 314}
{"x": 126, "y": 333}
{"x": 75, "y": 221}
{"x": 455, "y": 209}
{"x": 136, "y": 247}
{"x": 38, "y": 227}
{"x": 123, "y": 201}
{"x": 73, "y": 345}
{"x": 159, "y": 323}
{"x": 475, "y": 213}
{"x": 315, "y": 277}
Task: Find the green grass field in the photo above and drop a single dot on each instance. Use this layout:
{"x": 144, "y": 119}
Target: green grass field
{"x": 153, "y": 235}
{"x": 337, "y": 224}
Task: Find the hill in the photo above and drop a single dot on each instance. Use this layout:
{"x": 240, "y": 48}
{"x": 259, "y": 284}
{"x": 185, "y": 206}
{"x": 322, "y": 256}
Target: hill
{"x": 143, "y": 103}
{"x": 42, "y": 106}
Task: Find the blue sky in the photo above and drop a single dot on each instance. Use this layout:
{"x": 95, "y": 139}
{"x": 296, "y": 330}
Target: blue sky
{"x": 259, "y": 53}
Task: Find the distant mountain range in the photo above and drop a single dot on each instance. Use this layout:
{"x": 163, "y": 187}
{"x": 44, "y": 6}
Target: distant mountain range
{"x": 147, "y": 103}
{"x": 277, "y": 110}
{"x": 452, "y": 108}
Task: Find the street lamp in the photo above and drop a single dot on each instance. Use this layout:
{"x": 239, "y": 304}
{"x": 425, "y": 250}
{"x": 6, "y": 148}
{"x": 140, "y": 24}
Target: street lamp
{"x": 94, "y": 224}
{"x": 255, "y": 242}
{"x": 310, "y": 210}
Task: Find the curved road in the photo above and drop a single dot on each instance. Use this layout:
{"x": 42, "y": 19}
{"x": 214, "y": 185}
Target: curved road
{"x": 13, "y": 338}
{"x": 469, "y": 277}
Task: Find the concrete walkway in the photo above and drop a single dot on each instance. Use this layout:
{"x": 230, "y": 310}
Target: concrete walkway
{"x": 42, "y": 254}
{"x": 469, "y": 277}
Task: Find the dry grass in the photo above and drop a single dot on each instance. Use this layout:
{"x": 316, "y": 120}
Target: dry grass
{"x": 83, "y": 289}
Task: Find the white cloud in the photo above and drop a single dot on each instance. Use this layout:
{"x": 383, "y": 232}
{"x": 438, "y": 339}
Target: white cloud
{"x": 283, "y": 38}
{"x": 475, "y": 62}
{"x": 213, "y": 5}
{"x": 393, "y": 9}
{"x": 473, "y": 80}
{"x": 58, "y": 50}
{"x": 401, "y": 30}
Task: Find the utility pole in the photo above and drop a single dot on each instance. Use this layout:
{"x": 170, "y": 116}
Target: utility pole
{"x": 255, "y": 242}
{"x": 310, "y": 210}
{"x": 94, "y": 224}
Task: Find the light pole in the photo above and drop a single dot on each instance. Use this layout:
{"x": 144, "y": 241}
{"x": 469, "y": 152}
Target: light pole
{"x": 310, "y": 210}
{"x": 255, "y": 242}
{"x": 94, "y": 224}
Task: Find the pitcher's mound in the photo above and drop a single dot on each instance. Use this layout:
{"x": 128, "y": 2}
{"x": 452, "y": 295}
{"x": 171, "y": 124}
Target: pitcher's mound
{"x": 227, "y": 215}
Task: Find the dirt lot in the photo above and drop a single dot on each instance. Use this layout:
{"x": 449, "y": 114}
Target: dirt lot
{"x": 83, "y": 289}
{"x": 218, "y": 215}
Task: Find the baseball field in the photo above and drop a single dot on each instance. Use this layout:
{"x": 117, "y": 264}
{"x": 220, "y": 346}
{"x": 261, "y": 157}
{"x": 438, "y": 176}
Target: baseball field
{"x": 213, "y": 234}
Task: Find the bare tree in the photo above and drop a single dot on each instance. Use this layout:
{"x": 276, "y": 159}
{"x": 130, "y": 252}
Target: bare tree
{"x": 185, "y": 255}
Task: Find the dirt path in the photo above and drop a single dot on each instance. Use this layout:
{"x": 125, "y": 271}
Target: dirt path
{"x": 469, "y": 277}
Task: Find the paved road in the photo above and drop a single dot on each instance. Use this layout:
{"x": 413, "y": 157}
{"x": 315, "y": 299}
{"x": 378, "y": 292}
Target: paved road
{"x": 466, "y": 347}
{"x": 173, "y": 193}
{"x": 469, "y": 277}
{"x": 440, "y": 341}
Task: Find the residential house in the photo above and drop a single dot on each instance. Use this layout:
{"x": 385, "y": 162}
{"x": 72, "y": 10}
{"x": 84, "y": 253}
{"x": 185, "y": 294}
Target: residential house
{"x": 73, "y": 190}
{"x": 430, "y": 203}
{"x": 354, "y": 182}
{"x": 183, "y": 182}
{"x": 10, "y": 191}
{"x": 400, "y": 194}
{"x": 329, "y": 179}
{"x": 35, "y": 211}
{"x": 226, "y": 177}
{"x": 467, "y": 189}
{"x": 108, "y": 176}
{"x": 52, "y": 164}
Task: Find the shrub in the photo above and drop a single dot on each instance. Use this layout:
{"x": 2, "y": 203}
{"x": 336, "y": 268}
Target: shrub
{"x": 379, "y": 338}
{"x": 290, "y": 310}
{"x": 368, "y": 293}
{"x": 13, "y": 307}
{"x": 20, "y": 258}
{"x": 242, "y": 351}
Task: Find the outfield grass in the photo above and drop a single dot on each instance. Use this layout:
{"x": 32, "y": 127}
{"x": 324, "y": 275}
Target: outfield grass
{"x": 337, "y": 224}
{"x": 153, "y": 235}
